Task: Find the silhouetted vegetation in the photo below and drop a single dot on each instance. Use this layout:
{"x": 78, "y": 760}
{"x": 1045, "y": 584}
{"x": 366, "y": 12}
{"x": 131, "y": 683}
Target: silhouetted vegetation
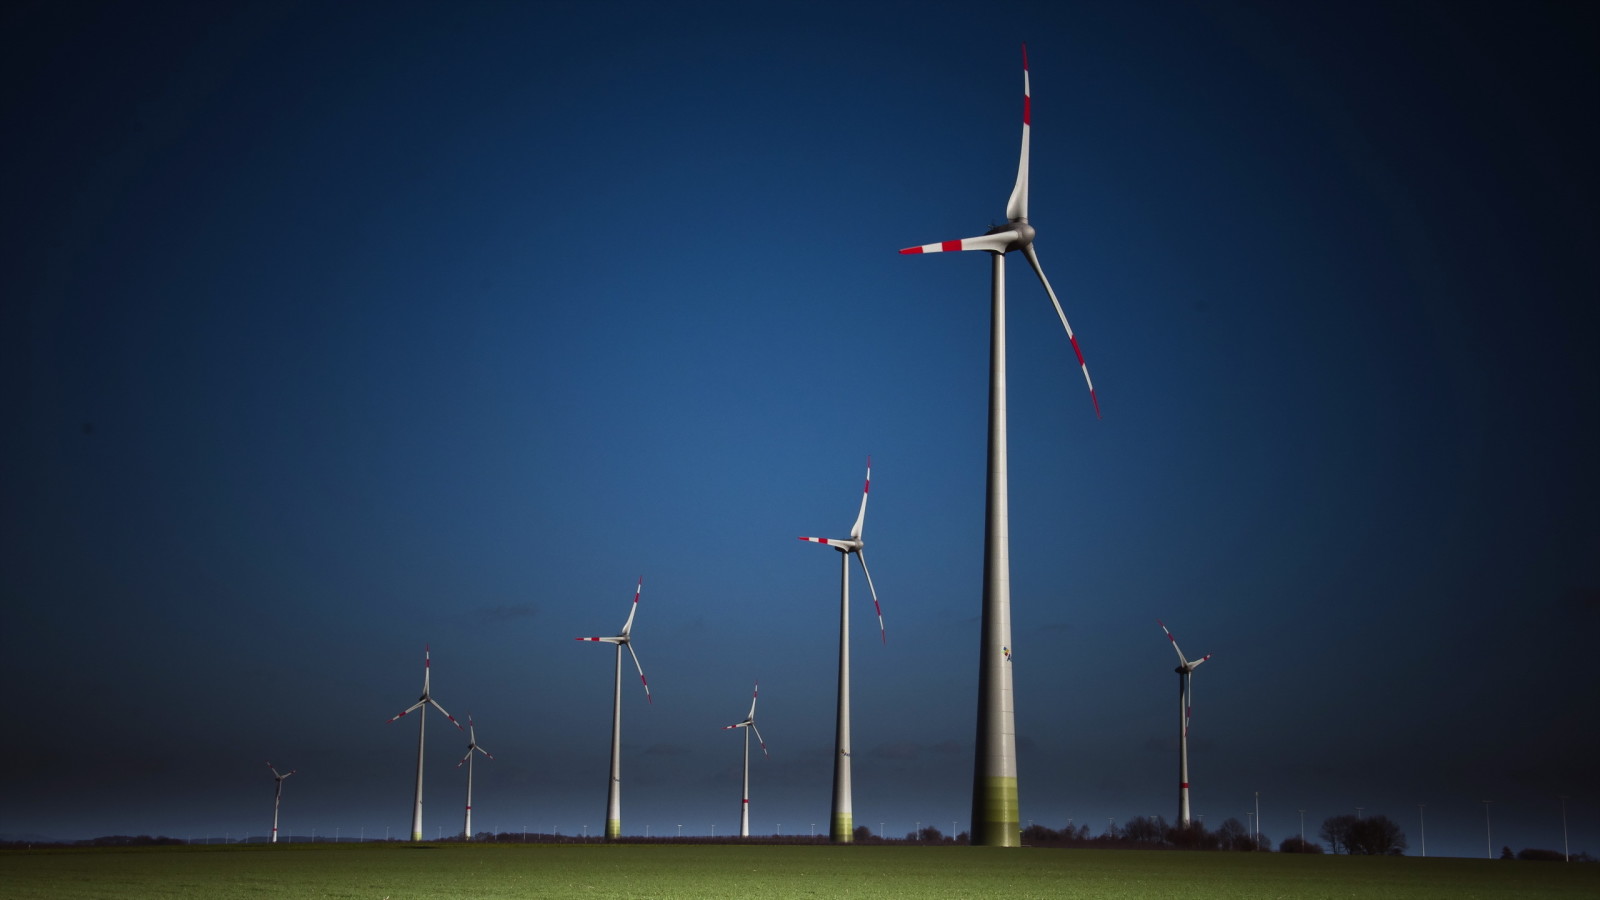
{"x": 1376, "y": 835}
{"x": 1298, "y": 844}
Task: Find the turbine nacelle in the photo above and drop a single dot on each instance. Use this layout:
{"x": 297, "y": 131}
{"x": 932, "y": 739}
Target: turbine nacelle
{"x": 1022, "y": 234}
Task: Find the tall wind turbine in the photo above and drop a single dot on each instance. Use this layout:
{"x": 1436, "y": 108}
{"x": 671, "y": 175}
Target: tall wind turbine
{"x": 614, "y": 792}
{"x": 1185, "y": 672}
{"x": 749, "y": 725}
{"x": 996, "y": 820}
{"x": 278, "y": 797}
{"x": 843, "y": 828}
{"x": 424, "y": 701}
{"x": 472, "y": 744}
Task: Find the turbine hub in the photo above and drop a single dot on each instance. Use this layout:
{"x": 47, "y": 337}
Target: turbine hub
{"x": 1021, "y": 232}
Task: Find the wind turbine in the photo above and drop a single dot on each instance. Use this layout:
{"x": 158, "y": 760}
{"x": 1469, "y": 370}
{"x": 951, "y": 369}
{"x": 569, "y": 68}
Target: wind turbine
{"x": 424, "y": 701}
{"x": 995, "y": 816}
{"x": 614, "y": 792}
{"x": 278, "y": 797}
{"x": 472, "y": 744}
{"x": 1185, "y": 671}
{"x": 749, "y": 724}
{"x": 843, "y": 828}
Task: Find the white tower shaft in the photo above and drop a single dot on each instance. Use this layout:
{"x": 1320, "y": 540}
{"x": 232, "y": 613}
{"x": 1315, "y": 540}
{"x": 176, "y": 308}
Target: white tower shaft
{"x": 466, "y": 829}
{"x": 744, "y": 796}
{"x": 995, "y": 816}
{"x": 416, "y": 807}
{"x": 1183, "y": 748}
{"x": 842, "y": 830}
{"x": 614, "y": 792}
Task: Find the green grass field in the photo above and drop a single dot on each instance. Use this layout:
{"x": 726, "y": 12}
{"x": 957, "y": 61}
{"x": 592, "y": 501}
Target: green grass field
{"x": 405, "y": 871}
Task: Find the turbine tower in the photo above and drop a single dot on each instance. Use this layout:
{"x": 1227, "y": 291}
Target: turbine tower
{"x": 424, "y": 701}
{"x": 843, "y": 829}
{"x": 1185, "y": 672}
{"x": 278, "y": 797}
{"x": 749, "y": 725}
{"x": 614, "y": 792}
{"x": 996, "y": 820}
{"x": 472, "y": 744}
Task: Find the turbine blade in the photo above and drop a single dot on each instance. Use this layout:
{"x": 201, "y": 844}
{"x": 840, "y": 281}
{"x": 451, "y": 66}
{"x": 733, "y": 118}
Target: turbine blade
{"x": 862, "y": 556}
{"x": 628, "y": 625}
{"x": 754, "y": 696}
{"x": 761, "y": 739}
{"x": 1181, "y": 661}
{"x": 1196, "y": 664}
{"x": 996, "y": 243}
{"x": 1017, "y": 206}
{"x": 441, "y": 709}
{"x": 483, "y": 751}
{"x": 861, "y": 517}
{"x": 641, "y": 672}
{"x": 1033, "y": 260}
{"x": 412, "y": 708}
{"x": 465, "y": 758}
{"x": 842, "y": 545}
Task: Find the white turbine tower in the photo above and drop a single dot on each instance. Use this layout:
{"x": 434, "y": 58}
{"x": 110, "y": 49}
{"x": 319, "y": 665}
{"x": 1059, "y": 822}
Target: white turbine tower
{"x": 614, "y": 792}
{"x": 1185, "y": 672}
{"x": 278, "y": 797}
{"x": 995, "y": 815}
{"x": 472, "y": 744}
{"x": 749, "y": 725}
{"x": 424, "y": 701}
{"x": 843, "y": 828}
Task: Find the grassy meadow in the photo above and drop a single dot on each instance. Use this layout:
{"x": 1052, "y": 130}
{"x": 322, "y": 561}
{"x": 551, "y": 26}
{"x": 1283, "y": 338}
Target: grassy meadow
{"x": 399, "y": 871}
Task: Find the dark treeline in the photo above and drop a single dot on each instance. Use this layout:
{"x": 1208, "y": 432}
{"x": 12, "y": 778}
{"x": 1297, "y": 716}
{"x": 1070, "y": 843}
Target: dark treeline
{"x": 1375, "y": 835}
{"x": 1153, "y": 832}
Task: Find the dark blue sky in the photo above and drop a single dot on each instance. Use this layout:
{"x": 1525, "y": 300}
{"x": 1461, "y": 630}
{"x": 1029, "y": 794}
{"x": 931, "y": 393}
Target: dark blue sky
{"x": 331, "y": 332}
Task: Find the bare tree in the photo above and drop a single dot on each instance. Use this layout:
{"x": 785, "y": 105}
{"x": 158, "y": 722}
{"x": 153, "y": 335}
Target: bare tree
{"x": 1232, "y": 835}
{"x": 1336, "y": 831}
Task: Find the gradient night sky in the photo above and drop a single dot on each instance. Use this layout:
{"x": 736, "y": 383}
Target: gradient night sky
{"x": 331, "y": 332}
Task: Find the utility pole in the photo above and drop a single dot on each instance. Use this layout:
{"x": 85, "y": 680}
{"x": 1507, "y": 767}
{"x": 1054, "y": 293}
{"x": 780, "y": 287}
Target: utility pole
{"x": 1565, "y": 851}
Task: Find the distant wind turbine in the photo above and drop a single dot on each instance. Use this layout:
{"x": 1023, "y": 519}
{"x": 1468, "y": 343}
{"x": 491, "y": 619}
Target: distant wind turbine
{"x": 424, "y": 701}
{"x": 843, "y": 828}
{"x": 472, "y": 745}
{"x": 995, "y": 815}
{"x": 277, "y": 797}
{"x": 614, "y": 792}
{"x": 1185, "y": 672}
{"x": 749, "y": 725}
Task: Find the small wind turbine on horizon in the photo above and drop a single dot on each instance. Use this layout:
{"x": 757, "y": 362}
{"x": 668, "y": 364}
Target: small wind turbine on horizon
{"x": 842, "y": 831}
{"x": 749, "y": 725}
{"x": 614, "y": 791}
{"x": 472, "y": 744}
{"x": 277, "y": 798}
{"x": 996, "y": 819}
{"x": 1185, "y": 672}
{"x": 424, "y": 701}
